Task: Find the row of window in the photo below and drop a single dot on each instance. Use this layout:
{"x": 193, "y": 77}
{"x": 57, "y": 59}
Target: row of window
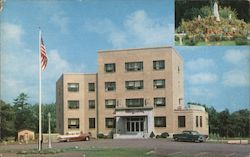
{"x": 135, "y": 85}
{"x": 73, "y": 123}
{"x": 111, "y": 86}
{"x": 197, "y": 121}
{"x": 134, "y": 66}
{"x": 111, "y": 103}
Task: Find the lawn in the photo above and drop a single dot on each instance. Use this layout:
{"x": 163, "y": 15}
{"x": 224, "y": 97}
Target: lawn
{"x": 93, "y": 152}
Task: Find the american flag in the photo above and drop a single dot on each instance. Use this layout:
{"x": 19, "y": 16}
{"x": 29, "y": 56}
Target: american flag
{"x": 44, "y": 58}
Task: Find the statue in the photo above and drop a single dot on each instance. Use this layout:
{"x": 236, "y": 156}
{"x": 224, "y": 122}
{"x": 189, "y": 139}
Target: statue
{"x": 199, "y": 17}
{"x": 216, "y": 12}
{"x": 230, "y": 16}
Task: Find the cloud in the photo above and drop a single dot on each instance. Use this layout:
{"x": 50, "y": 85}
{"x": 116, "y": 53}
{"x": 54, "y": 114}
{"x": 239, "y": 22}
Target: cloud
{"x": 19, "y": 67}
{"x": 60, "y": 20}
{"x": 203, "y": 78}
{"x": 11, "y": 33}
{"x": 137, "y": 30}
{"x": 201, "y": 92}
{"x": 236, "y": 78}
{"x": 200, "y": 64}
{"x": 146, "y": 30}
{"x": 236, "y": 56}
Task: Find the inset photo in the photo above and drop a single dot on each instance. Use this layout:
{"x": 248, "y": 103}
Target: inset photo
{"x": 212, "y": 22}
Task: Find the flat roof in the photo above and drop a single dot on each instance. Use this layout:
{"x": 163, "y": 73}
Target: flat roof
{"x": 131, "y": 49}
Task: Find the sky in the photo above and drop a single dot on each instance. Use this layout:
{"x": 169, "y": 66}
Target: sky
{"x": 74, "y": 30}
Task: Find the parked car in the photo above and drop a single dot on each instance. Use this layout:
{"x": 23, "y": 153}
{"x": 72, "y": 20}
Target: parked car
{"x": 74, "y": 137}
{"x": 189, "y": 135}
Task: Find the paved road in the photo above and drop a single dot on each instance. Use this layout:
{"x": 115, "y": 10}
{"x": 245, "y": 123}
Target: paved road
{"x": 159, "y": 146}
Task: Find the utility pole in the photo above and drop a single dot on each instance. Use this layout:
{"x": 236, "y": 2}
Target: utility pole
{"x": 49, "y": 130}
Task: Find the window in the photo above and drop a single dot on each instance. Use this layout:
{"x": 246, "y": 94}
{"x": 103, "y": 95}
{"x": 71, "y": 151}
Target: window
{"x": 181, "y": 121}
{"x": 73, "y": 104}
{"x": 91, "y": 87}
{"x": 200, "y": 121}
{"x": 91, "y": 123}
{"x": 133, "y": 85}
{"x": 159, "y": 83}
{"x": 197, "y": 121}
{"x": 160, "y": 101}
{"x": 91, "y": 104}
{"x": 109, "y": 68}
{"x": 134, "y": 66}
{"x": 138, "y": 102}
{"x": 110, "y": 122}
{"x": 110, "y": 103}
{"x": 73, "y": 123}
{"x": 110, "y": 86}
{"x": 160, "y": 121}
{"x": 73, "y": 87}
{"x": 159, "y": 65}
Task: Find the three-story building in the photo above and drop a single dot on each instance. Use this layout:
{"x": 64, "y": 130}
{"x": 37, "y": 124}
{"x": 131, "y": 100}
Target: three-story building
{"x": 134, "y": 93}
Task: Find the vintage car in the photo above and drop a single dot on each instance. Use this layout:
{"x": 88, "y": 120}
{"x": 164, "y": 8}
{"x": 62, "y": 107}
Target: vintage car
{"x": 189, "y": 135}
{"x": 74, "y": 137}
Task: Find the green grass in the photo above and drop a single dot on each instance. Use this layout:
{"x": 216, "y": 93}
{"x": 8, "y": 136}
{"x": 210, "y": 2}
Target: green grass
{"x": 119, "y": 152}
{"x": 91, "y": 152}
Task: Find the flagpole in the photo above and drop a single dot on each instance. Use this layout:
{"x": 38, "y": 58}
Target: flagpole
{"x": 40, "y": 96}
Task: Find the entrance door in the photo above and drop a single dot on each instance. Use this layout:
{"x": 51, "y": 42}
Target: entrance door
{"x": 135, "y": 124}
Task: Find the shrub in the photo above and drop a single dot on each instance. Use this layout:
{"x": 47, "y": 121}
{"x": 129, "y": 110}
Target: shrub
{"x": 152, "y": 135}
{"x": 164, "y": 135}
{"x": 111, "y": 134}
{"x": 158, "y": 136}
{"x": 100, "y": 135}
{"x": 241, "y": 41}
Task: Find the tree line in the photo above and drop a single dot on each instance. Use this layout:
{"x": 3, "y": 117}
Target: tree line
{"x": 226, "y": 124}
{"x": 23, "y": 115}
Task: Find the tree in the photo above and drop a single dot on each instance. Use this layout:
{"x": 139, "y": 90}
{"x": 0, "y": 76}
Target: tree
{"x": 24, "y": 118}
{"x": 224, "y": 120}
{"x": 6, "y": 120}
{"x": 49, "y": 108}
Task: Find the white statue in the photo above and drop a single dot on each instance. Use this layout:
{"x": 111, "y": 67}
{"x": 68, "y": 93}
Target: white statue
{"x": 216, "y": 11}
{"x": 199, "y": 17}
{"x": 230, "y": 16}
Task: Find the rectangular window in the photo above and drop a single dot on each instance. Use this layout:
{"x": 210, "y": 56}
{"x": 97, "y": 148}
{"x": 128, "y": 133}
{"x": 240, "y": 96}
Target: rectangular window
{"x": 133, "y": 85}
{"x": 73, "y": 123}
{"x": 91, "y": 123}
{"x": 200, "y": 121}
{"x": 197, "y": 121}
{"x": 91, "y": 87}
{"x": 73, "y": 87}
{"x": 109, "y": 68}
{"x": 91, "y": 104}
{"x": 110, "y": 103}
{"x": 73, "y": 104}
{"x": 134, "y": 66}
{"x": 181, "y": 121}
{"x": 159, "y": 83}
{"x": 138, "y": 102}
{"x": 159, "y": 101}
{"x": 159, "y": 65}
{"x": 110, "y": 122}
{"x": 160, "y": 121}
{"x": 110, "y": 86}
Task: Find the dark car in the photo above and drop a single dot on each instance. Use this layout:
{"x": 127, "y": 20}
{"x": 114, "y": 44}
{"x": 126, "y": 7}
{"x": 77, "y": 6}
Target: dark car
{"x": 188, "y": 135}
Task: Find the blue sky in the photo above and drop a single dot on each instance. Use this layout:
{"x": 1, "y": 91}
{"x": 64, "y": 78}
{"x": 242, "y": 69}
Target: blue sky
{"x": 73, "y": 32}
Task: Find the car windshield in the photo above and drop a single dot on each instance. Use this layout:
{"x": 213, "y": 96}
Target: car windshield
{"x": 194, "y": 133}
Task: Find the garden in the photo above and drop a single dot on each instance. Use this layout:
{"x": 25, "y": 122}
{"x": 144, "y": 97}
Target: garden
{"x": 201, "y": 26}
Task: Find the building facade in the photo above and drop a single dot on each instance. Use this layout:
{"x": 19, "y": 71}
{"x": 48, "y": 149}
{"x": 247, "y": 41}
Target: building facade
{"x": 134, "y": 93}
